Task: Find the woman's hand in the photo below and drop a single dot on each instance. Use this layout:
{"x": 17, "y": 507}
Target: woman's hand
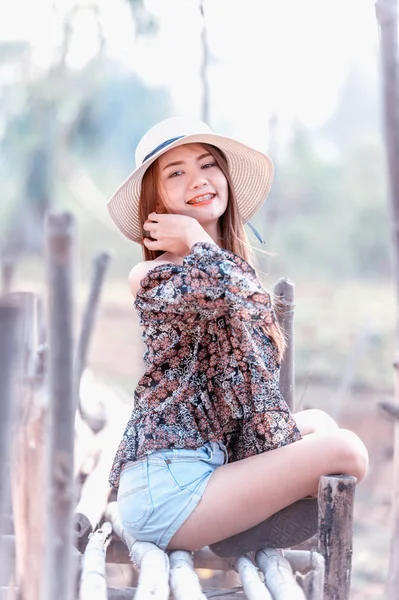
{"x": 173, "y": 233}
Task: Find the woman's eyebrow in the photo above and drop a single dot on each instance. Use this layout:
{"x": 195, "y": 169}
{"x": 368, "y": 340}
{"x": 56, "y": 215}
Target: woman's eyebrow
{"x": 181, "y": 162}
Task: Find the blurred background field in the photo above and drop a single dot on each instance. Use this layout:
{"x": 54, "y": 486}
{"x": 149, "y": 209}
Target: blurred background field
{"x": 80, "y": 82}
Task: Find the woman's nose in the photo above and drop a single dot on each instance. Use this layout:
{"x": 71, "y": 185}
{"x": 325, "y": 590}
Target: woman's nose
{"x": 199, "y": 181}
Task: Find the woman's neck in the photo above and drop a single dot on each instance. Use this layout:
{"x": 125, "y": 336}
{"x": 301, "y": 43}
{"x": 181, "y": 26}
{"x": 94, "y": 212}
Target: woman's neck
{"x": 213, "y": 230}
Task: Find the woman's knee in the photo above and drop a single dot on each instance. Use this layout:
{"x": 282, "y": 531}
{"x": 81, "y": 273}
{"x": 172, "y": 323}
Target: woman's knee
{"x": 314, "y": 420}
{"x": 353, "y": 454}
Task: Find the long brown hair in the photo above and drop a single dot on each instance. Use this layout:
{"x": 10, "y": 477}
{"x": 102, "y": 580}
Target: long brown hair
{"x": 232, "y": 232}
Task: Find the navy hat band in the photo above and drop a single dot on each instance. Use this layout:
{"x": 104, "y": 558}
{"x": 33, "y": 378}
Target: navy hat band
{"x": 161, "y": 146}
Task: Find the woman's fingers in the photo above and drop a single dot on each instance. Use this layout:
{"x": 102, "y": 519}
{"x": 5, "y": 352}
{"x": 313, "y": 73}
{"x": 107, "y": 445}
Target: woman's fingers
{"x": 152, "y": 244}
{"x": 150, "y": 226}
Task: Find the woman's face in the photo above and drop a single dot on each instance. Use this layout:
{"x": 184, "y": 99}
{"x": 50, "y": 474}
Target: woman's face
{"x": 192, "y": 184}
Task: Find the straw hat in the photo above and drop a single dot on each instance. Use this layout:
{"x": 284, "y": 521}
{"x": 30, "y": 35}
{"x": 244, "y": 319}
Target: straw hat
{"x": 251, "y": 171}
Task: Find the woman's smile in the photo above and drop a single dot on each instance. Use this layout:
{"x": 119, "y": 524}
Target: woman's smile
{"x": 201, "y": 200}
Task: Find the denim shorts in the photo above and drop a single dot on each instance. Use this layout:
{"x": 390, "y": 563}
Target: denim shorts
{"x": 159, "y": 491}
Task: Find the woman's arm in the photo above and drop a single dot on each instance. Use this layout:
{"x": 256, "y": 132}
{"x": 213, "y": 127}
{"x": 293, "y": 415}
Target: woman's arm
{"x": 211, "y": 282}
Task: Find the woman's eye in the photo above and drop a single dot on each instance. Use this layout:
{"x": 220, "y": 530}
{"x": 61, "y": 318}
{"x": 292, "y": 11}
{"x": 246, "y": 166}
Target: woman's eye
{"x": 175, "y": 174}
{"x": 208, "y": 165}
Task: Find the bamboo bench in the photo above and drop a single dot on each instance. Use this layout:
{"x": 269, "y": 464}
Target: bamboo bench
{"x": 319, "y": 569}
{"x": 296, "y": 573}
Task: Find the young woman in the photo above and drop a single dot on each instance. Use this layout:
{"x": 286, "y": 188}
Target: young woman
{"x": 211, "y": 449}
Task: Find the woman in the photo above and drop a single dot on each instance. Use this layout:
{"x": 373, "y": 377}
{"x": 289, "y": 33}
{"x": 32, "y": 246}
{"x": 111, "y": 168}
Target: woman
{"x": 211, "y": 449}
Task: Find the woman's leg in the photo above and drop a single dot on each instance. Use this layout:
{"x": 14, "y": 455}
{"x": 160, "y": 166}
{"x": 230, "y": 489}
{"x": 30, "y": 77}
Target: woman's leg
{"x": 241, "y": 494}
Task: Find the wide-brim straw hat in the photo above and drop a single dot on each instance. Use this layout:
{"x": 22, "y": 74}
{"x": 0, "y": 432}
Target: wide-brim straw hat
{"x": 251, "y": 171}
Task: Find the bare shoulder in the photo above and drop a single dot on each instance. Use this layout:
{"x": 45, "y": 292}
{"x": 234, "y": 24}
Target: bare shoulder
{"x": 140, "y": 270}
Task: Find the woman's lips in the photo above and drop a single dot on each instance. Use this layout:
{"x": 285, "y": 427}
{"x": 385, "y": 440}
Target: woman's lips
{"x": 201, "y": 200}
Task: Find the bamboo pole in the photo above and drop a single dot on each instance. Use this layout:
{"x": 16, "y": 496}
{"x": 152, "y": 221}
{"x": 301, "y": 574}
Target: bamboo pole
{"x": 148, "y": 557}
{"x": 60, "y": 240}
{"x": 253, "y": 587}
{"x": 279, "y": 577}
{"x": 184, "y": 581}
{"x": 336, "y": 498}
{"x": 99, "y": 267}
{"x": 387, "y": 17}
{"x": 309, "y": 566}
{"x": 93, "y": 583}
{"x": 284, "y": 294}
{"x": 28, "y": 453}
{"x": 211, "y": 593}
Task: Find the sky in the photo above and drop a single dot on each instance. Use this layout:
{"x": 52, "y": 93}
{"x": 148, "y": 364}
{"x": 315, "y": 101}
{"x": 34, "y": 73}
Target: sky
{"x": 283, "y": 57}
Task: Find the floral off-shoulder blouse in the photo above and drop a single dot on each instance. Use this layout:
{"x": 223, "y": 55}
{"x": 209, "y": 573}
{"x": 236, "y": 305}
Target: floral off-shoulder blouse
{"x": 212, "y": 373}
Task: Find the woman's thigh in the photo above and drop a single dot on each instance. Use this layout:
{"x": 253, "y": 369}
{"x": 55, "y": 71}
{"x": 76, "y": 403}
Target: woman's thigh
{"x": 241, "y": 494}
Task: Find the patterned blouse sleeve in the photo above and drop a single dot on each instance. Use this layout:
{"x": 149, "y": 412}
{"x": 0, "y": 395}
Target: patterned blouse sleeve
{"x": 210, "y": 283}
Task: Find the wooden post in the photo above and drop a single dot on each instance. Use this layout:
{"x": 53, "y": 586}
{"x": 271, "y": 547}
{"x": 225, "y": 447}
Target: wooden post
{"x": 59, "y": 578}
{"x": 9, "y": 320}
{"x": 284, "y": 292}
{"x": 100, "y": 263}
{"x": 28, "y": 453}
{"x": 336, "y": 498}
{"x": 9, "y": 315}
{"x": 387, "y": 16}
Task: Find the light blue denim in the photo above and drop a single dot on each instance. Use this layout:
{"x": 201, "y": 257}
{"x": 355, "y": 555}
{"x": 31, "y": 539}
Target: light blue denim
{"x": 159, "y": 491}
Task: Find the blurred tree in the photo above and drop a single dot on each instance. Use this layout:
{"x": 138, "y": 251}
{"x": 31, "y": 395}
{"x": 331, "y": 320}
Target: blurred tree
{"x": 205, "y": 114}
{"x": 145, "y": 21}
{"x": 62, "y": 110}
{"x": 356, "y": 117}
{"x": 328, "y": 215}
